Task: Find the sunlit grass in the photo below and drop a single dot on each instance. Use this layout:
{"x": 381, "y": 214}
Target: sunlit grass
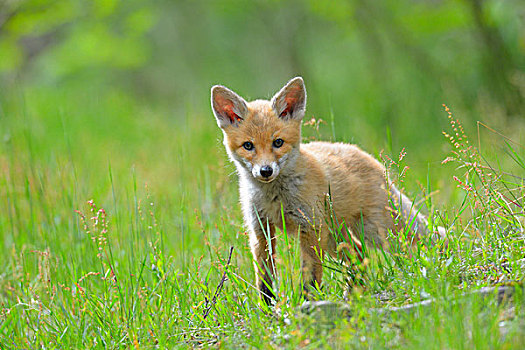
{"x": 118, "y": 221}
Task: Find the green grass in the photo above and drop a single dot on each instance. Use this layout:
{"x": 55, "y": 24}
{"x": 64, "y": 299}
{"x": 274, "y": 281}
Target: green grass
{"x": 117, "y": 221}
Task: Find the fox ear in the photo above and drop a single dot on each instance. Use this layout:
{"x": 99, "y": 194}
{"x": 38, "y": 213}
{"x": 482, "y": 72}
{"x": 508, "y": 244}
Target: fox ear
{"x": 290, "y": 102}
{"x": 228, "y": 107}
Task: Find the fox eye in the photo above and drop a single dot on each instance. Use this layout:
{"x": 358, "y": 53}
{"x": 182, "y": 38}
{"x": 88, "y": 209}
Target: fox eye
{"x": 278, "y": 143}
{"x": 247, "y": 145}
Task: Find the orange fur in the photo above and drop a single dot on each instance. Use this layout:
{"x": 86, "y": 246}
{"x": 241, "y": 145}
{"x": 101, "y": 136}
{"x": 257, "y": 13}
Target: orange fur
{"x": 302, "y": 176}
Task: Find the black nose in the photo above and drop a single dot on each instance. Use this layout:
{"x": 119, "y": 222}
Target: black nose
{"x": 266, "y": 171}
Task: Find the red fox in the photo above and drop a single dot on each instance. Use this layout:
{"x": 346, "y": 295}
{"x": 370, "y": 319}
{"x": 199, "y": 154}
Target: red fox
{"x": 284, "y": 182}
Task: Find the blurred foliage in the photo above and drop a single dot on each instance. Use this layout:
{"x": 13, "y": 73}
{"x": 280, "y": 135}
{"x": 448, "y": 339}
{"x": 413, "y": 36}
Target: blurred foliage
{"x": 55, "y": 41}
{"x": 382, "y": 69}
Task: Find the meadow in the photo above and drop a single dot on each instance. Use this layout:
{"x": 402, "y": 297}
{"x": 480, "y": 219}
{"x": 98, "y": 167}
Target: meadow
{"x": 119, "y": 212}
{"x": 122, "y": 229}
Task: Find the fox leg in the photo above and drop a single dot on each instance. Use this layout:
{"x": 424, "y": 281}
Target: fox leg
{"x": 352, "y": 252}
{"x": 311, "y": 257}
{"x": 350, "y": 244}
{"x": 262, "y": 242}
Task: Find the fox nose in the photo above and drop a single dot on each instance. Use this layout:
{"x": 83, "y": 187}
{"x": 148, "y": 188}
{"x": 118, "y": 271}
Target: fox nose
{"x": 266, "y": 171}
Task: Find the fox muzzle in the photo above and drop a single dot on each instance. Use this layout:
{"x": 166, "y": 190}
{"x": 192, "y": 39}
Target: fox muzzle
{"x": 265, "y": 173}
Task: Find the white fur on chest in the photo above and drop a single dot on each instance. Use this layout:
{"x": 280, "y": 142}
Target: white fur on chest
{"x": 269, "y": 201}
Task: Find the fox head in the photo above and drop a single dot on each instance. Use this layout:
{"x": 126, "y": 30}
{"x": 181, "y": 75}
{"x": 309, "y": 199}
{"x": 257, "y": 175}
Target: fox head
{"x": 261, "y": 137}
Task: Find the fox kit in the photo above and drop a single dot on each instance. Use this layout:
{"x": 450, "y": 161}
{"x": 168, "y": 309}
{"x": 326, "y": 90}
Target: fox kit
{"x": 283, "y": 182}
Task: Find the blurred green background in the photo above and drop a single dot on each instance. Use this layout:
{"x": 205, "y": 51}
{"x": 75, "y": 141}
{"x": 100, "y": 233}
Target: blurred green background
{"x": 99, "y": 73}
